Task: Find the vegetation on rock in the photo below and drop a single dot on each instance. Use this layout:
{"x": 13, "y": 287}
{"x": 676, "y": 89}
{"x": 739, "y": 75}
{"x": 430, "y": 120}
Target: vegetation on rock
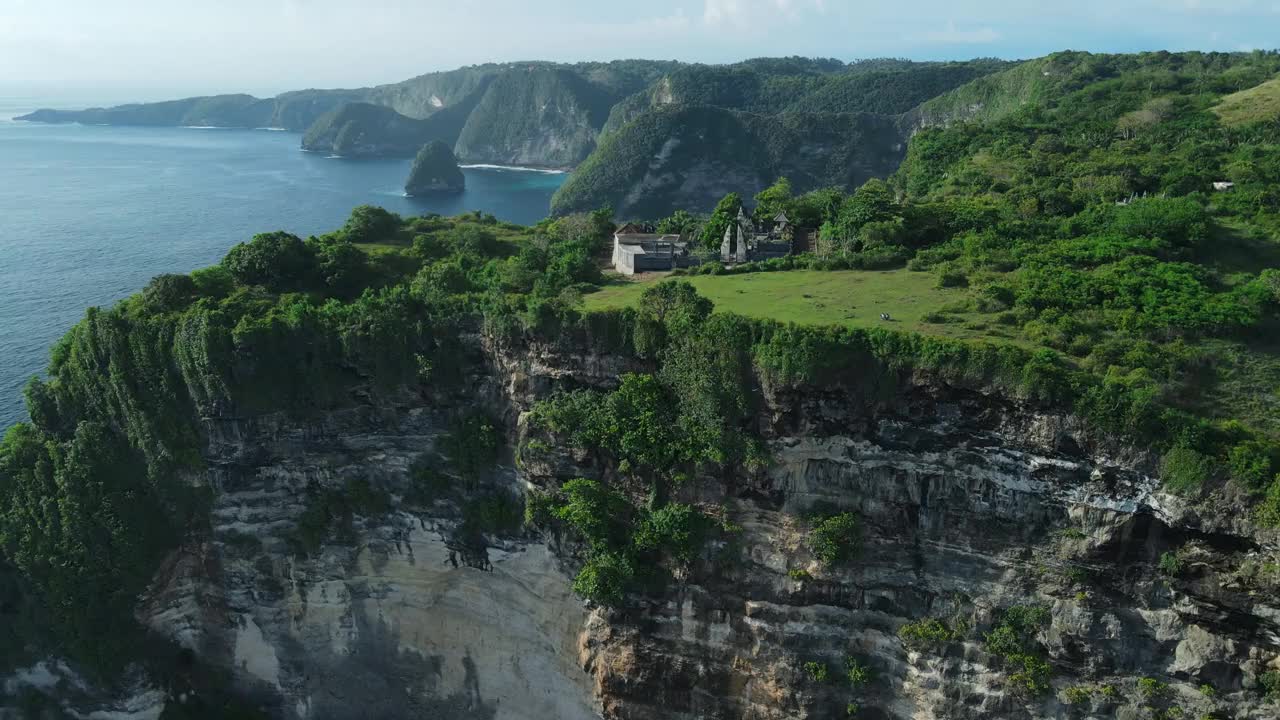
{"x": 435, "y": 169}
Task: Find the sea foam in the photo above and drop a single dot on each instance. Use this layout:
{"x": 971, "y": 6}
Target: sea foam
{"x": 518, "y": 168}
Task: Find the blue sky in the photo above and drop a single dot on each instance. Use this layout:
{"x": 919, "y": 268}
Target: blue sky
{"x": 146, "y": 49}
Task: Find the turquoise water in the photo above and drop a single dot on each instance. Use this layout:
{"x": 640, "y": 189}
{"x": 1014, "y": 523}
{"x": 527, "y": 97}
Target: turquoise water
{"x": 89, "y": 214}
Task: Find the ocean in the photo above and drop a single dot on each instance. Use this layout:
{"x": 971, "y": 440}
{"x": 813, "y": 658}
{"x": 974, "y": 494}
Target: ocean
{"x": 89, "y": 214}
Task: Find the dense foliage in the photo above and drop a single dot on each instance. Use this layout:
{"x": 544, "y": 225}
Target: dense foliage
{"x": 1082, "y": 216}
{"x": 93, "y": 490}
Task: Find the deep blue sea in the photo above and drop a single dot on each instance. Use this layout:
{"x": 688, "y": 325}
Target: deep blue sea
{"x": 89, "y": 214}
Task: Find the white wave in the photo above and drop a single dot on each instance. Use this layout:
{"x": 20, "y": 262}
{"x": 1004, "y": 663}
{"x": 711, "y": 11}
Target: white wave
{"x": 201, "y": 127}
{"x": 519, "y": 168}
{"x": 273, "y": 129}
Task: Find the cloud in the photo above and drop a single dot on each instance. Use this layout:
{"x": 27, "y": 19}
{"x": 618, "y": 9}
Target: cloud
{"x": 722, "y": 12}
{"x": 666, "y": 25}
{"x": 755, "y": 13}
{"x": 952, "y": 35}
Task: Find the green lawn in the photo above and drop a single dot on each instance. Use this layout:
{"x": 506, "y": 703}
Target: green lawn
{"x": 375, "y": 249}
{"x": 852, "y": 297}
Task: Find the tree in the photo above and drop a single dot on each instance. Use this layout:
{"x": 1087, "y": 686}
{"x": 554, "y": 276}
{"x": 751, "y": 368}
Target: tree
{"x": 278, "y": 261}
{"x": 168, "y": 292}
{"x": 724, "y": 214}
{"x": 569, "y": 264}
{"x": 343, "y": 267}
{"x": 592, "y": 230}
{"x": 471, "y": 241}
{"x": 774, "y": 199}
{"x": 675, "y": 303}
{"x": 872, "y": 202}
{"x": 816, "y": 207}
{"x": 371, "y": 224}
{"x": 678, "y": 223}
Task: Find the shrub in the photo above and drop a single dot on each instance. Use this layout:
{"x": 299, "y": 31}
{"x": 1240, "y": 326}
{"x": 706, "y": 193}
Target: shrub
{"x": 1250, "y": 464}
{"x": 1269, "y": 682}
{"x": 1014, "y": 639}
{"x": 597, "y": 513}
{"x": 676, "y": 529}
{"x": 1076, "y": 694}
{"x": 1268, "y": 511}
{"x": 952, "y": 278}
{"x": 1185, "y": 469}
{"x": 857, "y": 673}
{"x": 936, "y": 318}
{"x": 834, "y": 539}
{"x": 1170, "y": 564}
{"x": 926, "y": 634}
{"x": 818, "y": 671}
{"x": 1152, "y": 689}
{"x": 1031, "y": 674}
{"x": 604, "y": 578}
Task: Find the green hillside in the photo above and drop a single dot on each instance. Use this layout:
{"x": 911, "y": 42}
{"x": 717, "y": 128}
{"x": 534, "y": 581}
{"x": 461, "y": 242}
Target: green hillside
{"x": 1256, "y": 104}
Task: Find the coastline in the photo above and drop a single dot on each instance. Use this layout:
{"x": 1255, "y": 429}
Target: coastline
{"x": 516, "y": 168}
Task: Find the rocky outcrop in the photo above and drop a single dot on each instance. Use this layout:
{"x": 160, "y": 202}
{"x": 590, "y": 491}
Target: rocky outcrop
{"x": 435, "y": 170}
{"x": 969, "y": 502}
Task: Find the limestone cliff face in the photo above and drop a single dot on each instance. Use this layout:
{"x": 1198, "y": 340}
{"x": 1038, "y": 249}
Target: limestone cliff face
{"x": 542, "y": 117}
{"x": 691, "y": 156}
{"x": 969, "y": 503}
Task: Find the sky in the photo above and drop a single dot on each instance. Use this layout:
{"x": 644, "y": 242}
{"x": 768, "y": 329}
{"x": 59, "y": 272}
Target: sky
{"x": 155, "y": 49}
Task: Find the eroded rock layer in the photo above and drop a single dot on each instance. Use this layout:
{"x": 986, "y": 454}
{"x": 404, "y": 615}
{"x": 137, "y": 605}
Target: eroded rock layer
{"x": 969, "y": 503}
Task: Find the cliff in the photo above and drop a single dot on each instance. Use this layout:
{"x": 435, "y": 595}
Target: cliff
{"x": 291, "y": 111}
{"x": 546, "y": 116}
{"x": 665, "y": 158}
{"x": 435, "y": 169}
{"x": 558, "y": 115}
{"x": 365, "y": 130}
{"x": 970, "y": 501}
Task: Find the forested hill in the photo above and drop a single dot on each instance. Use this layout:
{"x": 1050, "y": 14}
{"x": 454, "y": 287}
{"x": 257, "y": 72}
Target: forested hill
{"x": 645, "y": 137}
{"x": 555, "y": 115}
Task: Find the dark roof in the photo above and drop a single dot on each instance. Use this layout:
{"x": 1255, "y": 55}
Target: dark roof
{"x": 781, "y": 217}
{"x": 629, "y": 229}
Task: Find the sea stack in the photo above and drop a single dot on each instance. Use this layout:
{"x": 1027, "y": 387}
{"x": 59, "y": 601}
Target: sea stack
{"x": 435, "y": 170}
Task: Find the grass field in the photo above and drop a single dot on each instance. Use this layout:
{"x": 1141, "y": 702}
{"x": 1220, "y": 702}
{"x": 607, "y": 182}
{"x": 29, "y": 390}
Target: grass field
{"x": 1261, "y": 102}
{"x": 852, "y": 297}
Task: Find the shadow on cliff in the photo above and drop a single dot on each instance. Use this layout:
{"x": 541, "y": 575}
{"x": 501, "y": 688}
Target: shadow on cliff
{"x": 379, "y": 681}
